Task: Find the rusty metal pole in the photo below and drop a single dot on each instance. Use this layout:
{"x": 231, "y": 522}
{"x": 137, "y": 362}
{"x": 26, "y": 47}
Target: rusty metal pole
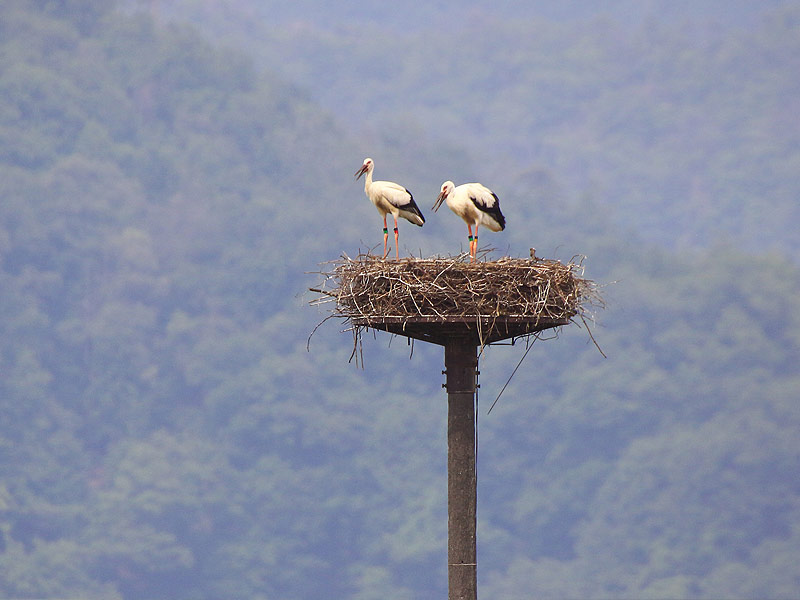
{"x": 461, "y": 362}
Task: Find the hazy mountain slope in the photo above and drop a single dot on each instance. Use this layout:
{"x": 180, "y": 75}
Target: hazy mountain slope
{"x": 676, "y": 122}
{"x": 166, "y": 433}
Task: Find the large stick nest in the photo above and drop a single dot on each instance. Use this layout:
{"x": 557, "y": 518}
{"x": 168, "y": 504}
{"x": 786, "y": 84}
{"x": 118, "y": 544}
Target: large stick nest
{"x": 369, "y": 288}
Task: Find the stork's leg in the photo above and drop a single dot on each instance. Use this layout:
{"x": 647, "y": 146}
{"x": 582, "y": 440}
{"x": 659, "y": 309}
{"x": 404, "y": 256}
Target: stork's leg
{"x": 475, "y": 243}
{"x": 385, "y": 237}
{"x": 396, "y": 241}
{"x": 469, "y": 227}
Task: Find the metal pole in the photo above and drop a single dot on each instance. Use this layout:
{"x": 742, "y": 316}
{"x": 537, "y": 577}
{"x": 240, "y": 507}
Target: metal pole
{"x": 461, "y": 361}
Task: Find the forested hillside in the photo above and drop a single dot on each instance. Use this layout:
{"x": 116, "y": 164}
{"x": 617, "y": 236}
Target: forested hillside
{"x": 678, "y": 118}
{"x": 164, "y": 201}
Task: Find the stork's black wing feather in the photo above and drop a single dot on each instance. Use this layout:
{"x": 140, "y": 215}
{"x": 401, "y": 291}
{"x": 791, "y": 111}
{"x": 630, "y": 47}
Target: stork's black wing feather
{"x": 411, "y": 207}
{"x": 493, "y": 210}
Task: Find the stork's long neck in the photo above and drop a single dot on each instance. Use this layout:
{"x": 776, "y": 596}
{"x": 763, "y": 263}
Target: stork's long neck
{"x": 368, "y": 181}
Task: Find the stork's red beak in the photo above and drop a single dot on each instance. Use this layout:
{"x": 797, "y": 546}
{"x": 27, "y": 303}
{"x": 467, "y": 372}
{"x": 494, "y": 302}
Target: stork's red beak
{"x": 439, "y": 200}
{"x": 361, "y": 171}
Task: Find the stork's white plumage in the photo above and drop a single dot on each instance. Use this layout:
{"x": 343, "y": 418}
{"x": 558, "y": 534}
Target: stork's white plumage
{"x": 476, "y": 204}
{"x": 389, "y": 197}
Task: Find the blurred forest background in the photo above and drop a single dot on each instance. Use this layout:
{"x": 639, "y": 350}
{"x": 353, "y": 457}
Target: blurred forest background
{"x": 172, "y": 173}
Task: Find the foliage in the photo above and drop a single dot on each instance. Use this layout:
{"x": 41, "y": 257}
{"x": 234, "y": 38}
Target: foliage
{"x": 677, "y": 123}
{"x": 166, "y": 434}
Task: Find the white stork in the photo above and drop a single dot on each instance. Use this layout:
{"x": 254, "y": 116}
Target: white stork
{"x": 389, "y": 197}
{"x": 476, "y": 204}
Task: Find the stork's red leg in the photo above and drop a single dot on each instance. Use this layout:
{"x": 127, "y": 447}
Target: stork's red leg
{"x": 385, "y": 237}
{"x": 475, "y": 243}
{"x": 471, "y": 249}
{"x": 396, "y": 241}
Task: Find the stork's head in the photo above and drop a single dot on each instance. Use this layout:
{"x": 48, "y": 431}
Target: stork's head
{"x": 447, "y": 189}
{"x": 365, "y": 168}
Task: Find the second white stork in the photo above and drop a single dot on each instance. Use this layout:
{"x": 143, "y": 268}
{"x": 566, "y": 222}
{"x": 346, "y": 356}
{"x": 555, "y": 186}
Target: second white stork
{"x": 389, "y": 197}
{"x": 476, "y": 205}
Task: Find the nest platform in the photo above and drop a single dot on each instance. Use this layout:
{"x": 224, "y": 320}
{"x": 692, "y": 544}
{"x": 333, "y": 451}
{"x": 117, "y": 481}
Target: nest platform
{"x": 438, "y": 299}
